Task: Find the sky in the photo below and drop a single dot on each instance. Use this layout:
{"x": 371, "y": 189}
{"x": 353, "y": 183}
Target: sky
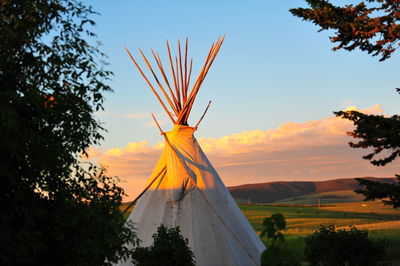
{"x": 273, "y": 86}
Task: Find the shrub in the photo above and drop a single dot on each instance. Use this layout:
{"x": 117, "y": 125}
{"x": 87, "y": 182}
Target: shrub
{"x": 272, "y": 227}
{"x": 169, "y": 248}
{"x": 331, "y": 247}
{"x": 276, "y": 253}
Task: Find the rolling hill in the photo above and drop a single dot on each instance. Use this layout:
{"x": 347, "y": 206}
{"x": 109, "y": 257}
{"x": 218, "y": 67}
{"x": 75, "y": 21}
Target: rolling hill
{"x": 331, "y": 197}
{"x": 295, "y": 192}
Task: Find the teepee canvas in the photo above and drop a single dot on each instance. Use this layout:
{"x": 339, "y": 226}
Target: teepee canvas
{"x": 184, "y": 189}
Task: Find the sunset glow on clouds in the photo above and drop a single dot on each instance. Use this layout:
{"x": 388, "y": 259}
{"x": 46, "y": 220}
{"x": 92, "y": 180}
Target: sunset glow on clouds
{"x": 313, "y": 150}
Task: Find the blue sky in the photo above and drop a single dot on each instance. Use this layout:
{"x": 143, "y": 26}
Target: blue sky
{"x": 272, "y": 69}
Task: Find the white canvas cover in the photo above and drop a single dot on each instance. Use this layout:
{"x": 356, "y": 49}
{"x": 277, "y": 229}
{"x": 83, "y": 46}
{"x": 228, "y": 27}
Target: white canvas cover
{"x": 189, "y": 193}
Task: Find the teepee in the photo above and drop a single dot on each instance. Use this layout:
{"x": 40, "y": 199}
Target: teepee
{"x": 184, "y": 189}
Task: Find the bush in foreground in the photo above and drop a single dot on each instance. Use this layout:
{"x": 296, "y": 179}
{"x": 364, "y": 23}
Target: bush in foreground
{"x": 331, "y": 247}
{"x": 169, "y": 248}
{"x": 277, "y": 253}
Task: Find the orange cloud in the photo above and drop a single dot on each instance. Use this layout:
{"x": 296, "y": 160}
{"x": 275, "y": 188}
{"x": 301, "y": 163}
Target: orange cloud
{"x": 313, "y": 150}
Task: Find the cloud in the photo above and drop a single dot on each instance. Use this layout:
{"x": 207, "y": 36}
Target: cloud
{"x": 151, "y": 123}
{"x": 148, "y": 123}
{"x": 374, "y": 110}
{"x": 313, "y": 150}
{"x": 132, "y": 115}
{"x": 135, "y": 115}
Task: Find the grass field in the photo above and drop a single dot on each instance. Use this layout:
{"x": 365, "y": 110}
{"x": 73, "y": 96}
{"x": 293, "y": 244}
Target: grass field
{"x": 382, "y": 222}
{"x": 305, "y": 219}
{"x": 331, "y": 197}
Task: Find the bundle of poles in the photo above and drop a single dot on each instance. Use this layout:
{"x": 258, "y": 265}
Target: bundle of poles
{"x": 179, "y": 98}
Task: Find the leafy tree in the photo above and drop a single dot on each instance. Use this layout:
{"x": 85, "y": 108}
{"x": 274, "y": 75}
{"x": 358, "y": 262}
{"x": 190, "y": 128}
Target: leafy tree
{"x": 330, "y": 247}
{"x": 55, "y": 210}
{"x": 169, "y": 248}
{"x": 371, "y": 26}
{"x": 276, "y": 253}
{"x": 272, "y": 227}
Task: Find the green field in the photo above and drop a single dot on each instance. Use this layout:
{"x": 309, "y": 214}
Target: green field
{"x": 331, "y": 197}
{"x": 382, "y": 222}
{"x": 305, "y": 219}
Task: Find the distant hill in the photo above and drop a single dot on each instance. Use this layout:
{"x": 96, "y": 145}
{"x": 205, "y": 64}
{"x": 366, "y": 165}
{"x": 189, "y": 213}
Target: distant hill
{"x": 331, "y": 197}
{"x": 272, "y": 192}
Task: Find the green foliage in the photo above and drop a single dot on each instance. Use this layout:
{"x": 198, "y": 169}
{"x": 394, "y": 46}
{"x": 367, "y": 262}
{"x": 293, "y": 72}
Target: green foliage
{"x": 333, "y": 247}
{"x": 273, "y": 226}
{"x": 55, "y": 210}
{"x": 276, "y": 253}
{"x": 279, "y": 256}
{"x": 378, "y": 190}
{"x": 382, "y": 135}
{"x": 169, "y": 248}
{"x": 378, "y": 132}
{"x": 372, "y": 27}
{"x": 302, "y": 221}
